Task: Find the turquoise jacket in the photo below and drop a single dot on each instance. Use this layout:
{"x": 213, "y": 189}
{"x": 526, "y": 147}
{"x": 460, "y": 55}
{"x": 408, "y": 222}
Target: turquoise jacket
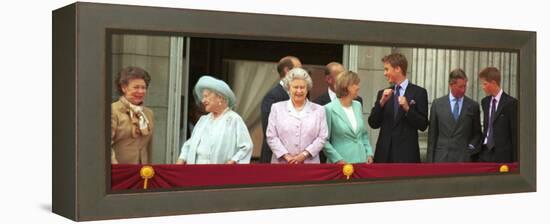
{"x": 343, "y": 143}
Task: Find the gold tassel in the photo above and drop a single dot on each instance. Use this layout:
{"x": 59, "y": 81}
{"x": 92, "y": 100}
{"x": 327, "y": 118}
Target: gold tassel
{"x": 504, "y": 169}
{"x": 347, "y": 170}
{"x": 146, "y": 172}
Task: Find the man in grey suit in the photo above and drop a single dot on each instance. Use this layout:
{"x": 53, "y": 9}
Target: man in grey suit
{"x": 455, "y": 127}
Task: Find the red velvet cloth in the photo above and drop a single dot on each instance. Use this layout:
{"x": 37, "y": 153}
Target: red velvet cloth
{"x": 167, "y": 176}
{"x": 388, "y": 170}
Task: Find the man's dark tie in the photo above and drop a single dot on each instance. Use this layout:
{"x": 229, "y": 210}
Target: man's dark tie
{"x": 490, "y": 139}
{"x": 396, "y": 100}
{"x": 455, "y": 109}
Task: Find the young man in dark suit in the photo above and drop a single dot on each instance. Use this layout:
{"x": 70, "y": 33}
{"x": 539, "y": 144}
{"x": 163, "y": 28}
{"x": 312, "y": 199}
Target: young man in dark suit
{"x": 499, "y": 142}
{"x": 332, "y": 70}
{"x": 276, "y": 94}
{"x": 399, "y": 111}
{"x": 455, "y": 127}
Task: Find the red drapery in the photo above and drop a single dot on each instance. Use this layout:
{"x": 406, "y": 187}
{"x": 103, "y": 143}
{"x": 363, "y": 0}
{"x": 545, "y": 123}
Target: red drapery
{"x": 167, "y": 176}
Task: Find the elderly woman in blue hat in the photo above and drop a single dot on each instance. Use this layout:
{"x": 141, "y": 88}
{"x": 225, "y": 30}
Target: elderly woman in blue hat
{"x": 221, "y": 136}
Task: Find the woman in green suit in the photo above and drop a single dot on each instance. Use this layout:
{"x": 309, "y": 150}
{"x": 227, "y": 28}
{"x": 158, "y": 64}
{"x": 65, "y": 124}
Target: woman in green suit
{"x": 348, "y": 140}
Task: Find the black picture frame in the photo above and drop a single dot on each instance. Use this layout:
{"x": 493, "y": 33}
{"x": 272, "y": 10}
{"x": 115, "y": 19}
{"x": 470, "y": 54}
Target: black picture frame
{"x": 81, "y": 92}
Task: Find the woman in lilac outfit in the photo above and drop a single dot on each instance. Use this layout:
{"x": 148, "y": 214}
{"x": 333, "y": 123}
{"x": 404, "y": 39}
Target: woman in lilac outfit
{"x": 297, "y": 128}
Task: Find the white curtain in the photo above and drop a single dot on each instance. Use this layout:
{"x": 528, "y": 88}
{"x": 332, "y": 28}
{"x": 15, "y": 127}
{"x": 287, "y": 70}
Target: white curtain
{"x": 250, "y": 81}
{"x": 431, "y": 67}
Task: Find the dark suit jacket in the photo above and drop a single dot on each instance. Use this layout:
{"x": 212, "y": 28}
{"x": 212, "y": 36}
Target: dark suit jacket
{"x": 276, "y": 94}
{"x": 504, "y": 130}
{"x": 448, "y": 139}
{"x": 325, "y": 99}
{"x": 398, "y": 138}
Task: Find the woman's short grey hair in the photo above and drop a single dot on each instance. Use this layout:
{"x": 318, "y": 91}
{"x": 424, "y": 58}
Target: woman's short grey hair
{"x": 297, "y": 73}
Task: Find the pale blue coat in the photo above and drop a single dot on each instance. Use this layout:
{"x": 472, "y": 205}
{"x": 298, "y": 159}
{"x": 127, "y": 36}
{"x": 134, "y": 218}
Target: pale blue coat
{"x": 227, "y": 138}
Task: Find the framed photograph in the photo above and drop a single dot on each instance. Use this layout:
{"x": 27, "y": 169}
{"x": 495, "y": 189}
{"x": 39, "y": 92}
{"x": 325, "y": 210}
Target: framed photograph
{"x": 92, "y": 42}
